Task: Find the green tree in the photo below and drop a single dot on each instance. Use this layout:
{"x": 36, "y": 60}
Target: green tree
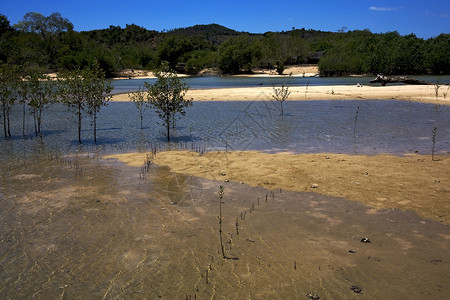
{"x": 237, "y": 54}
{"x": 5, "y": 26}
{"x": 24, "y": 91}
{"x": 47, "y": 28}
{"x": 41, "y": 94}
{"x": 9, "y": 81}
{"x": 280, "y": 95}
{"x": 73, "y": 93}
{"x": 437, "y": 54}
{"x": 172, "y": 49}
{"x": 139, "y": 97}
{"x": 6, "y": 33}
{"x": 98, "y": 92}
{"x": 166, "y": 95}
{"x": 84, "y": 91}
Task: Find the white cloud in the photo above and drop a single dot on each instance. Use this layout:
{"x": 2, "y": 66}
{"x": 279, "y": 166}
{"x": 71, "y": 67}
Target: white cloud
{"x": 378, "y": 8}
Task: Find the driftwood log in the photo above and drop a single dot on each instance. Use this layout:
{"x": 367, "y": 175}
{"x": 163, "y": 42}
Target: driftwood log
{"x": 385, "y": 80}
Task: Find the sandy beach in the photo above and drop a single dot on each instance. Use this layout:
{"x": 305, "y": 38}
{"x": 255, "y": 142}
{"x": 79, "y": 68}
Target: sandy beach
{"x": 418, "y": 93}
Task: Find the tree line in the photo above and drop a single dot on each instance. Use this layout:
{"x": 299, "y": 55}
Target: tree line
{"x": 51, "y": 43}
{"x": 85, "y": 92}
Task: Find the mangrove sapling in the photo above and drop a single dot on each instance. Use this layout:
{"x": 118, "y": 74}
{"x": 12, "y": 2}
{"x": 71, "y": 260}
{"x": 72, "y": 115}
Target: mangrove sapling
{"x": 434, "y": 142}
{"x": 41, "y": 95}
{"x": 437, "y": 86}
{"x": 280, "y": 95}
{"x": 306, "y": 89}
{"x": 356, "y": 120}
{"x": 221, "y": 192}
{"x": 139, "y": 97}
{"x": 166, "y": 96}
{"x": 9, "y": 81}
{"x": 99, "y": 93}
{"x": 24, "y": 91}
{"x": 446, "y": 92}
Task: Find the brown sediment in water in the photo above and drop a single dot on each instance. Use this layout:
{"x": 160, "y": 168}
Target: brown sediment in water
{"x": 411, "y": 182}
{"x": 106, "y": 230}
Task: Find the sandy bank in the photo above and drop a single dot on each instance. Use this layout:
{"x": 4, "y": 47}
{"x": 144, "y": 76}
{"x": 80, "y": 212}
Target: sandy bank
{"x": 412, "y": 182}
{"x": 298, "y": 70}
{"x": 418, "y": 93}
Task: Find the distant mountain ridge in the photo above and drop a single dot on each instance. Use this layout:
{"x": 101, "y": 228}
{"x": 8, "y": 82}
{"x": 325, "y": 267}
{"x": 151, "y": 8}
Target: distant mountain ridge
{"x": 208, "y": 29}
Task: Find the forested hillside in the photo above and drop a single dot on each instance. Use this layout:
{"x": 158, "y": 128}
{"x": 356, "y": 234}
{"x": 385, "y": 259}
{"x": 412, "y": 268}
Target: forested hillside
{"x": 51, "y": 43}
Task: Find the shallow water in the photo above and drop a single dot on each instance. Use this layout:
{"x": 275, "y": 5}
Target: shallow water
{"x": 85, "y": 228}
{"x": 76, "y": 226}
{"x": 395, "y": 127}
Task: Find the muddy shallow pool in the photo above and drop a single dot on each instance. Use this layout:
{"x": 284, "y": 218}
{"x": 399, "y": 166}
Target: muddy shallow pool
{"x": 79, "y": 227}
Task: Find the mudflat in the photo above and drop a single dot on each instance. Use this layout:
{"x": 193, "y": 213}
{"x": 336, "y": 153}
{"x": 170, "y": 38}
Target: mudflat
{"x": 410, "y": 182}
{"x": 90, "y": 227}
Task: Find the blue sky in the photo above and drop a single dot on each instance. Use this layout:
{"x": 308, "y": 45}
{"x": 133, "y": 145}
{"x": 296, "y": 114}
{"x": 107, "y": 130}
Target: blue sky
{"x": 423, "y": 18}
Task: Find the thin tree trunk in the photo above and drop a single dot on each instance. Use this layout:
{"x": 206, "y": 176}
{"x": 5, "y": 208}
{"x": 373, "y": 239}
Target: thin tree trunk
{"x": 95, "y": 127}
{"x": 4, "y": 120}
{"x": 39, "y": 120}
{"x": 35, "y": 121}
{"x": 168, "y": 127}
{"x": 9, "y": 128}
{"x": 79, "y": 123}
{"x": 23, "y": 119}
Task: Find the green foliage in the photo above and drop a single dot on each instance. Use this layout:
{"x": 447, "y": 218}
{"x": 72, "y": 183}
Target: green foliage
{"x": 9, "y": 81}
{"x": 280, "y": 95}
{"x": 139, "y": 97}
{"x": 84, "y": 91}
{"x": 171, "y": 50}
{"x": 5, "y": 26}
{"x": 51, "y": 43}
{"x": 236, "y": 55}
{"x": 98, "y": 92}
{"x": 166, "y": 96}
{"x": 280, "y": 67}
{"x": 437, "y": 57}
{"x": 433, "y": 138}
{"x": 37, "y": 92}
{"x": 199, "y": 60}
{"x": 48, "y": 29}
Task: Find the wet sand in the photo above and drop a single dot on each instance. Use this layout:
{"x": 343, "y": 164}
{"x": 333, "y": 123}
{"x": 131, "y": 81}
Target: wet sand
{"x": 418, "y": 93}
{"x": 411, "y": 182}
{"x": 91, "y": 228}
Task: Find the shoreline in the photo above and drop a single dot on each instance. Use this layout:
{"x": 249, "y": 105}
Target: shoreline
{"x": 382, "y": 182}
{"x": 416, "y": 93}
{"x": 296, "y": 70}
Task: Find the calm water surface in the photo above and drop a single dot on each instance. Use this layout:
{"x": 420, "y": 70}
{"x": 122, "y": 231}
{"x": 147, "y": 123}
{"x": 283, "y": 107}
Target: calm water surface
{"x": 307, "y": 127}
